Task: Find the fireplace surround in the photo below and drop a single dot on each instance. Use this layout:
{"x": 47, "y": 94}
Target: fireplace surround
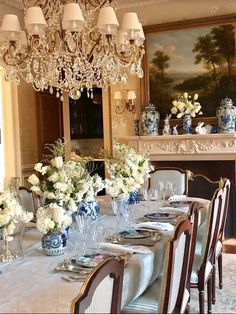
{"x": 213, "y": 155}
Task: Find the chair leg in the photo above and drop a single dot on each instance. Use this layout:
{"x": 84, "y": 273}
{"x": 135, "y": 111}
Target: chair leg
{"x": 214, "y": 284}
{"x": 209, "y": 294}
{"x": 187, "y": 311}
{"x": 220, "y": 271}
{"x": 201, "y": 302}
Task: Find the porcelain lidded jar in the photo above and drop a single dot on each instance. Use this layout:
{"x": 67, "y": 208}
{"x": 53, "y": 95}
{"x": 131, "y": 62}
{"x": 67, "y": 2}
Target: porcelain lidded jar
{"x": 226, "y": 114}
{"x": 150, "y": 119}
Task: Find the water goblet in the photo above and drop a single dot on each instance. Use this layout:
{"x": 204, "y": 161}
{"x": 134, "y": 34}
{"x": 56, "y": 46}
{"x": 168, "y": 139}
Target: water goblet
{"x": 144, "y": 194}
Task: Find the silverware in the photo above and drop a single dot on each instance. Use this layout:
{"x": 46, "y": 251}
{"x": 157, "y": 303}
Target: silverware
{"x": 68, "y": 266}
{"x": 70, "y": 279}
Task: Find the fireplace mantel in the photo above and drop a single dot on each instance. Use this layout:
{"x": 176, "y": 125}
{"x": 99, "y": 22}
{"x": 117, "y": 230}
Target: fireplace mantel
{"x": 185, "y": 147}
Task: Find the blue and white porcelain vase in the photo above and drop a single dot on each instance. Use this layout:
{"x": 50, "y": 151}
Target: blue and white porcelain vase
{"x": 54, "y": 243}
{"x": 134, "y": 197}
{"x": 187, "y": 124}
{"x": 226, "y": 114}
{"x": 150, "y": 119}
{"x": 90, "y": 209}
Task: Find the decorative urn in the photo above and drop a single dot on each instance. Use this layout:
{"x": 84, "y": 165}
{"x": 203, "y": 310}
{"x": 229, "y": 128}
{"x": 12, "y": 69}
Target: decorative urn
{"x": 150, "y": 119}
{"x": 226, "y": 114}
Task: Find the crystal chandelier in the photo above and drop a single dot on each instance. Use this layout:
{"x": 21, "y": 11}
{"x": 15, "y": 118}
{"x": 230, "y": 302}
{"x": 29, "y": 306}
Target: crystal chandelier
{"x": 71, "y": 46}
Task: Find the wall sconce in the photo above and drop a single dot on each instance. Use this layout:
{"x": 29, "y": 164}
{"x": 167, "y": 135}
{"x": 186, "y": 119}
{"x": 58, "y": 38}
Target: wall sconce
{"x": 125, "y": 103}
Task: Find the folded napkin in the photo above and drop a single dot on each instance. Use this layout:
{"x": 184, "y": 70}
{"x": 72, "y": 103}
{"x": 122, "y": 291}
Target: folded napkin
{"x": 177, "y": 198}
{"x": 125, "y": 248}
{"x": 173, "y": 210}
{"x": 163, "y": 226}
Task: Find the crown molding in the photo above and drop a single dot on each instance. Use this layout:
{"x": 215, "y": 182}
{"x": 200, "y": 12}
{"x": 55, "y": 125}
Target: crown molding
{"x": 13, "y": 3}
{"x": 122, "y": 4}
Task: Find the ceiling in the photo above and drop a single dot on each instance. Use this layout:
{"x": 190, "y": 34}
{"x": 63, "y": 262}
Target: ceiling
{"x": 152, "y": 11}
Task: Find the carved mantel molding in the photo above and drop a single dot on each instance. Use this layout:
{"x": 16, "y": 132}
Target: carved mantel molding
{"x": 186, "y": 147}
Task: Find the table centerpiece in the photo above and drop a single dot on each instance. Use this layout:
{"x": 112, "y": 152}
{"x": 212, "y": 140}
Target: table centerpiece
{"x": 12, "y": 219}
{"x": 187, "y": 107}
{"x": 128, "y": 170}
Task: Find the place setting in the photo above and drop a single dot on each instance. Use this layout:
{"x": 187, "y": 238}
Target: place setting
{"x": 79, "y": 267}
{"x": 135, "y": 236}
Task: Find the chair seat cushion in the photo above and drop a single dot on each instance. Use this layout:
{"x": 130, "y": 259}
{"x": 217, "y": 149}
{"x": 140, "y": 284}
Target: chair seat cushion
{"x": 196, "y": 266}
{"x": 148, "y": 302}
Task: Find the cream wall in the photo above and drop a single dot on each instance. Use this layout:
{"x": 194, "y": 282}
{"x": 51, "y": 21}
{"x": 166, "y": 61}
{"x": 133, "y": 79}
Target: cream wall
{"x": 122, "y": 124}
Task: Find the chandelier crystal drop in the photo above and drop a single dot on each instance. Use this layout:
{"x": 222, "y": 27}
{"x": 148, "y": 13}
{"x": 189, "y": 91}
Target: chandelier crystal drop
{"x": 71, "y": 46}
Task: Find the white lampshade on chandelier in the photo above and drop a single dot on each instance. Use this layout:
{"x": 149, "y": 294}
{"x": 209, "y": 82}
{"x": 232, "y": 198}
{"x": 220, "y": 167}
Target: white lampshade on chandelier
{"x": 72, "y": 46}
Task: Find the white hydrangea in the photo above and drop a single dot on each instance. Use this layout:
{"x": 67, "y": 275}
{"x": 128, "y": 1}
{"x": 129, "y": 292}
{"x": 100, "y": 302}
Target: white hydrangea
{"x": 65, "y": 183}
{"x": 127, "y": 170}
{"x": 52, "y": 218}
{"x": 11, "y": 213}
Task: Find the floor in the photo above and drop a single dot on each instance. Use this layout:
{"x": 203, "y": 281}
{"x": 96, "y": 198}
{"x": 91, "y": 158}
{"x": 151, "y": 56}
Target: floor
{"x": 225, "y": 298}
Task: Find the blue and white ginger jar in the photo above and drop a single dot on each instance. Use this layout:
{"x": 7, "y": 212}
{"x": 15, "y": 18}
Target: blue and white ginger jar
{"x": 226, "y": 114}
{"x": 150, "y": 119}
{"x": 134, "y": 197}
{"x": 90, "y": 209}
{"x": 54, "y": 243}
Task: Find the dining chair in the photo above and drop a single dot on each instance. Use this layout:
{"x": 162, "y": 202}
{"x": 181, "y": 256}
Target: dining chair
{"x": 169, "y": 294}
{"x": 101, "y": 292}
{"x": 220, "y": 237}
{"x": 203, "y": 186}
{"x": 28, "y": 200}
{"x": 204, "y": 257}
{"x": 170, "y": 174}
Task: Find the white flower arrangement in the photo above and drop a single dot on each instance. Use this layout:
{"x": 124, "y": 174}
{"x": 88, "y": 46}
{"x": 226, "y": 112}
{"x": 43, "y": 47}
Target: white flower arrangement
{"x": 52, "y": 218}
{"x": 127, "y": 169}
{"x": 185, "y": 104}
{"x": 11, "y": 213}
{"x": 65, "y": 183}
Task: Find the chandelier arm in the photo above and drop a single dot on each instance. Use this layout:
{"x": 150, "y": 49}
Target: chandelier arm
{"x": 94, "y": 46}
{"x": 98, "y": 4}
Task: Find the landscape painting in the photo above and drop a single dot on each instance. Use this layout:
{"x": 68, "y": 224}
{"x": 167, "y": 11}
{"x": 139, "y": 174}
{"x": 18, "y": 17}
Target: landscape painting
{"x": 195, "y": 60}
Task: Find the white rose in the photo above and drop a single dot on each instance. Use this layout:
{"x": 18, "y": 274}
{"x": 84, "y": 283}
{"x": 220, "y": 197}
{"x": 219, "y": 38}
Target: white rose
{"x": 180, "y": 115}
{"x": 174, "y": 110}
{"x": 38, "y": 167}
{"x": 33, "y": 179}
{"x": 57, "y": 162}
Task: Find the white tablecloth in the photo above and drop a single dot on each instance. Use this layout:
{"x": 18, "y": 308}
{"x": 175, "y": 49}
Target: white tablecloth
{"x": 30, "y": 285}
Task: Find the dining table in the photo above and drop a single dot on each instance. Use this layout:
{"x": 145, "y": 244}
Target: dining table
{"x": 31, "y": 284}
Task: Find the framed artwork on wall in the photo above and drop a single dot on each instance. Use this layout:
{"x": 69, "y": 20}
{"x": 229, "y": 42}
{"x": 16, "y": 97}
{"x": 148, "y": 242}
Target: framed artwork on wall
{"x": 195, "y": 56}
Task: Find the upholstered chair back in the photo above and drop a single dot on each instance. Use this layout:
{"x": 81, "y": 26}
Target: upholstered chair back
{"x": 175, "y": 175}
{"x": 175, "y": 272}
{"x": 101, "y": 291}
{"x": 27, "y": 199}
{"x": 224, "y": 208}
{"x": 211, "y": 229}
